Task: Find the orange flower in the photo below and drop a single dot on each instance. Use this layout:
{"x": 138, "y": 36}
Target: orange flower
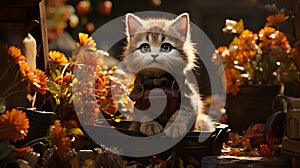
{"x": 14, "y": 125}
{"x": 88, "y": 113}
{"x": 39, "y": 82}
{"x": 67, "y": 79}
{"x": 266, "y": 36}
{"x": 24, "y": 68}
{"x": 275, "y": 20}
{"x": 247, "y": 41}
{"x": 274, "y": 41}
{"x": 110, "y": 107}
{"x": 225, "y": 55}
{"x": 86, "y": 42}
{"x": 281, "y": 41}
{"x": 62, "y": 142}
{"x": 240, "y": 58}
{"x": 22, "y": 151}
{"x": 266, "y": 33}
{"x": 58, "y": 57}
{"x": 90, "y": 58}
{"x": 16, "y": 54}
{"x": 36, "y": 78}
{"x": 232, "y": 80}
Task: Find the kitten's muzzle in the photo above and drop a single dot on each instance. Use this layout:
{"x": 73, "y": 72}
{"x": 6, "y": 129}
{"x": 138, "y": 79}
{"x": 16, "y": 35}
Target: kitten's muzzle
{"x": 142, "y": 90}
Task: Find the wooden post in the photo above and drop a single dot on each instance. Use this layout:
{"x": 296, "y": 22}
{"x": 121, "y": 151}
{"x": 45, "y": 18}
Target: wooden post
{"x": 44, "y": 34}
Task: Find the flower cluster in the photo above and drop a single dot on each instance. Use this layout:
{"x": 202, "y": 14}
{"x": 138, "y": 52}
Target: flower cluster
{"x": 252, "y": 143}
{"x": 259, "y": 58}
{"x": 35, "y": 77}
{"x": 60, "y": 85}
{"x": 81, "y": 82}
{"x": 85, "y": 81}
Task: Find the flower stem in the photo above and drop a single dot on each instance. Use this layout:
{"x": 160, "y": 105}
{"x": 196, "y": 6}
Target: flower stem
{"x": 40, "y": 143}
{"x": 64, "y": 69}
{"x": 17, "y": 91}
{"x": 10, "y": 88}
{"x": 36, "y": 141}
{"x": 6, "y": 71}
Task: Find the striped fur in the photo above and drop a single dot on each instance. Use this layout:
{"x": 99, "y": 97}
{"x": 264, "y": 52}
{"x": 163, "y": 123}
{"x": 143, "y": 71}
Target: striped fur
{"x": 146, "y": 46}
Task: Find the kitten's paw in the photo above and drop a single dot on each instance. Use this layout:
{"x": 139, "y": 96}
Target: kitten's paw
{"x": 177, "y": 130}
{"x": 150, "y": 128}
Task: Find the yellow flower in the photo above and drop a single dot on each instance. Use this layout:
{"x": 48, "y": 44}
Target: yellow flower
{"x": 14, "y": 125}
{"x": 58, "y": 57}
{"x": 62, "y": 142}
{"x": 16, "y": 54}
{"x": 232, "y": 26}
{"x": 86, "y": 42}
{"x": 275, "y": 20}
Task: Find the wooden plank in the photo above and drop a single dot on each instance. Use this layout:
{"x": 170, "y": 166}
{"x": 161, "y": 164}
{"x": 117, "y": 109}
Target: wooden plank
{"x": 244, "y": 162}
{"x": 291, "y": 145}
{"x": 293, "y": 157}
{"x": 45, "y": 49}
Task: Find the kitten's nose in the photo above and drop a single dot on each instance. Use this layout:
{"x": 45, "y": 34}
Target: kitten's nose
{"x": 154, "y": 56}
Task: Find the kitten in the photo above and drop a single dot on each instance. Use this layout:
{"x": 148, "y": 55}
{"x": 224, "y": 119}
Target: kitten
{"x": 156, "y": 47}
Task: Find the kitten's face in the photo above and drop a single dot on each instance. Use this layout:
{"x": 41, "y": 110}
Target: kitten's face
{"x": 157, "y": 43}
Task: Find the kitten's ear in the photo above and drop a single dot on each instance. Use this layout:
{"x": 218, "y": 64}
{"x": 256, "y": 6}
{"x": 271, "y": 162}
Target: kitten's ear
{"x": 133, "y": 24}
{"x": 181, "y": 25}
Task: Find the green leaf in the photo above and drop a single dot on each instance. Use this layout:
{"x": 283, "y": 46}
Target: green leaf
{"x": 233, "y": 43}
{"x": 53, "y": 87}
{"x": 74, "y": 132}
{"x": 5, "y": 149}
{"x": 75, "y": 80}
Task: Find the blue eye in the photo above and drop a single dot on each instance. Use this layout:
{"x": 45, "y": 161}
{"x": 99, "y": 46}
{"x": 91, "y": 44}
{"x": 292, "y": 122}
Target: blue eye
{"x": 166, "y": 47}
{"x": 145, "y": 48}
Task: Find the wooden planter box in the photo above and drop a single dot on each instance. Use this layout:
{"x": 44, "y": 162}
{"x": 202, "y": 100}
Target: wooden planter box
{"x": 189, "y": 148}
{"x": 293, "y": 117}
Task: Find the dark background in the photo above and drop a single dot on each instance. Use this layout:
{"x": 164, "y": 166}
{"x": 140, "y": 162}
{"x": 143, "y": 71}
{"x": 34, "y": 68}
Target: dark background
{"x": 208, "y": 15}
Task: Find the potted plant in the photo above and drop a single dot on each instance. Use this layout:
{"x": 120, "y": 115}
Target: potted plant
{"x": 255, "y": 65}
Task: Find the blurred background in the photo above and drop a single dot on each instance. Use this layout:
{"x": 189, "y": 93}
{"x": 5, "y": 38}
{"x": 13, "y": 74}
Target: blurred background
{"x": 88, "y": 15}
{"x": 66, "y": 18}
